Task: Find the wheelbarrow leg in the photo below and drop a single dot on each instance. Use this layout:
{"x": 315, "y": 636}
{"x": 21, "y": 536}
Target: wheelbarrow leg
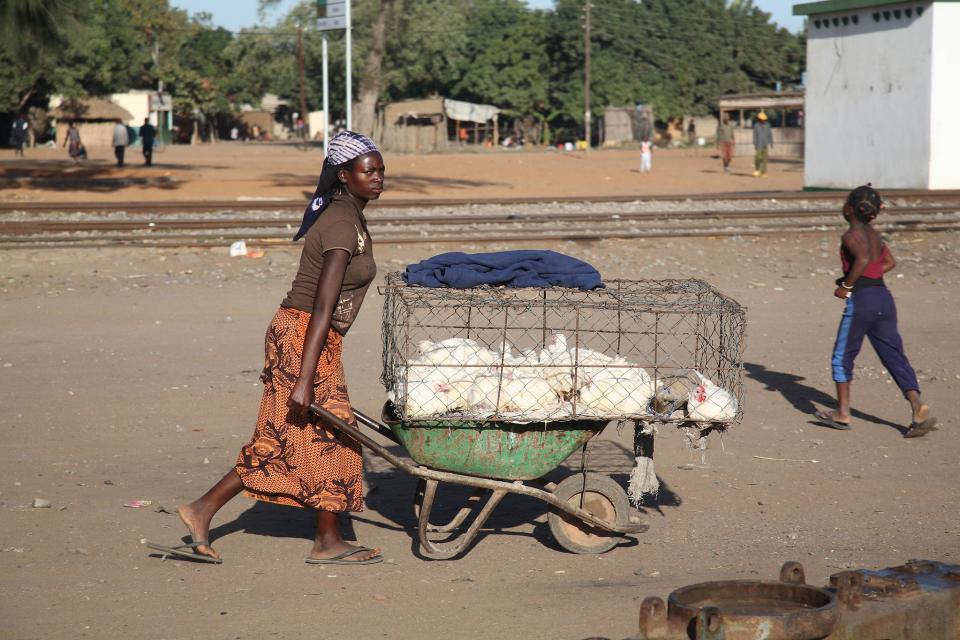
{"x": 458, "y": 544}
{"x": 457, "y": 520}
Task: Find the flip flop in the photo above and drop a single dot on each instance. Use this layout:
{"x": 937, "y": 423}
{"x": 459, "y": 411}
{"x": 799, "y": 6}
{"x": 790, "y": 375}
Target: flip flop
{"x": 180, "y": 551}
{"x": 827, "y": 419}
{"x": 918, "y": 429}
{"x": 342, "y": 558}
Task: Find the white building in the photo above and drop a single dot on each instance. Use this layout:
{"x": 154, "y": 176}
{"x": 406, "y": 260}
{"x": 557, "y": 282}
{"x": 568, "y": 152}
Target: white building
{"x": 883, "y": 93}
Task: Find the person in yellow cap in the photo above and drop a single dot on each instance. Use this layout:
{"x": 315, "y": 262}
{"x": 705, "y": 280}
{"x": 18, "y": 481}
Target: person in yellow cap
{"x": 762, "y": 143}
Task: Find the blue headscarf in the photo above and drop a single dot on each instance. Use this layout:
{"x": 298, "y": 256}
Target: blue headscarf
{"x": 343, "y": 147}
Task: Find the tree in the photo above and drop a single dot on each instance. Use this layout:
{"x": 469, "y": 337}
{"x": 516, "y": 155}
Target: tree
{"x": 371, "y": 81}
{"x": 506, "y": 57}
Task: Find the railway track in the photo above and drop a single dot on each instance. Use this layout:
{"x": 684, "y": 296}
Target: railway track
{"x": 197, "y": 206}
{"x": 212, "y": 224}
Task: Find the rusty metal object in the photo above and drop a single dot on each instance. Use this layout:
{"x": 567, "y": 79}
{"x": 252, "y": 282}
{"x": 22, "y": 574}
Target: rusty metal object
{"x": 919, "y": 600}
{"x": 736, "y": 609}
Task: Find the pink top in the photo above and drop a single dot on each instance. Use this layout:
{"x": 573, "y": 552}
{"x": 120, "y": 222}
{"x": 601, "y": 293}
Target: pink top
{"x": 873, "y": 270}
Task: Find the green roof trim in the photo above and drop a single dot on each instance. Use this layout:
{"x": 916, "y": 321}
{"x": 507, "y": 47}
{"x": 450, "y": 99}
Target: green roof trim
{"x": 830, "y": 6}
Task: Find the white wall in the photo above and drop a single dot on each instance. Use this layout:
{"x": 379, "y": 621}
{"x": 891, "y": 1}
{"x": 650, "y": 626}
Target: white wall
{"x": 945, "y": 98}
{"x": 136, "y": 102}
{"x": 868, "y": 100}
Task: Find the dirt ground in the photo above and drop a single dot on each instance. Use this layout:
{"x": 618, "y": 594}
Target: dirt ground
{"x": 131, "y": 374}
{"x": 236, "y": 170}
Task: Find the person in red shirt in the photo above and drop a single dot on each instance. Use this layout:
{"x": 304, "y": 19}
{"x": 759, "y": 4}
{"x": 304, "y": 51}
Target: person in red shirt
{"x": 870, "y": 312}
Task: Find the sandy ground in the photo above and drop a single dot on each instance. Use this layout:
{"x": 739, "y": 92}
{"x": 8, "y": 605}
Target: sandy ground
{"x": 131, "y": 374}
{"x": 235, "y": 170}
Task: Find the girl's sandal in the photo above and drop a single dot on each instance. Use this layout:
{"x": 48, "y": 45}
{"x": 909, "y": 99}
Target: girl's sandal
{"x": 829, "y": 419}
{"x": 918, "y": 429}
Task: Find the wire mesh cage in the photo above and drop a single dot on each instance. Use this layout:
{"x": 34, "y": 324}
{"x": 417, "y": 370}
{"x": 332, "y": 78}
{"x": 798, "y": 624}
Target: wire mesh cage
{"x": 652, "y": 350}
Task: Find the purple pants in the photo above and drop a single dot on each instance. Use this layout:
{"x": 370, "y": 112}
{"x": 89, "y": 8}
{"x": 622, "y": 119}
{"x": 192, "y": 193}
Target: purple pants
{"x": 870, "y": 312}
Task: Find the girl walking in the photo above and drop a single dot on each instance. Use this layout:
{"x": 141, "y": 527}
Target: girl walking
{"x": 870, "y": 312}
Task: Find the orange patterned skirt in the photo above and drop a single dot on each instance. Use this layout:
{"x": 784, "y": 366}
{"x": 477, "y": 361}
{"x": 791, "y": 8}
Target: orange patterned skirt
{"x": 298, "y": 460}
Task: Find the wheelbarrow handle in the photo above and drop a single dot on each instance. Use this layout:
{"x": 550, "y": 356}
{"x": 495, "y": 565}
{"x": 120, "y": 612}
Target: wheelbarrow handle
{"x": 361, "y": 437}
{"x": 379, "y": 427}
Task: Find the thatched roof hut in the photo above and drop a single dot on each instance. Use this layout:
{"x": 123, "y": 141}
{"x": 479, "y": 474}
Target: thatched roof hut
{"x": 95, "y": 117}
{"x": 91, "y": 110}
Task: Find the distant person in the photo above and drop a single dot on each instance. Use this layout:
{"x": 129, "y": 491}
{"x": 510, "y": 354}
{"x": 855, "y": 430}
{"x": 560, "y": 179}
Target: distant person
{"x": 18, "y": 134}
{"x": 646, "y": 155}
{"x": 256, "y": 132}
{"x": 148, "y": 134}
{"x": 870, "y": 312}
{"x": 762, "y": 143}
{"x": 121, "y": 138}
{"x": 234, "y": 133}
{"x": 74, "y": 144}
{"x": 725, "y": 142}
{"x": 691, "y": 132}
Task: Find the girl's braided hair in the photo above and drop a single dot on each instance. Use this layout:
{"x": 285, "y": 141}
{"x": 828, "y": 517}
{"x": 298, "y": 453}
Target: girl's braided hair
{"x": 865, "y": 202}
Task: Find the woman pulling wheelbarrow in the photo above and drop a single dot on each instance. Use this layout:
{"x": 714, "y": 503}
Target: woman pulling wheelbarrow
{"x": 295, "y": 458}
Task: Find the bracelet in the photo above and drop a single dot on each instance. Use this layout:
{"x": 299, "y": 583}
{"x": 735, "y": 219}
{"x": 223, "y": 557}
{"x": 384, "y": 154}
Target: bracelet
{"x": 843, "y": 283}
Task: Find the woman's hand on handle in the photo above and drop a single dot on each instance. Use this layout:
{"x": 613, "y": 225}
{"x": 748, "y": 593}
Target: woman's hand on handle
{"x": 302, "y": 396}
{"x": 325, "y": 302}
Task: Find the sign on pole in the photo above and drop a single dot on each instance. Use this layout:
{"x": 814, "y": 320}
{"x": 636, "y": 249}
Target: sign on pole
{"x": 331, "y": 9}
{"x": 332, "y": 24}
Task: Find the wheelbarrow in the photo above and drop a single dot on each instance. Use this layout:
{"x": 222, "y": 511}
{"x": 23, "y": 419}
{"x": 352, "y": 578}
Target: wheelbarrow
{"x": 589, "y": 513}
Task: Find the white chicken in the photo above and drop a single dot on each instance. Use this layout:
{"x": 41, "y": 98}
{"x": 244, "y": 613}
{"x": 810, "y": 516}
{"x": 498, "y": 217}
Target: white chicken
{"x": 556, "y": 363}
{"x": 709, "y": 403}
{"x": 431, "y": 390}
{"x": 456, "y": 351}
{"x": 527, "y": 395}
{"x": 611, "y": 396}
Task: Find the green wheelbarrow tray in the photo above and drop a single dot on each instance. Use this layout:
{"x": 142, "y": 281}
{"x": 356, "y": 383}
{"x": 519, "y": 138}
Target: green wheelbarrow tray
{"x": 589, "y": 513}
{"x": 500, "y": 450}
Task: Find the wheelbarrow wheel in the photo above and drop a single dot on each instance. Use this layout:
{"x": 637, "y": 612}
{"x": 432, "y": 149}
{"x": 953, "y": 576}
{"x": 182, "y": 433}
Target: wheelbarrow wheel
{"x": 603, "y": 498}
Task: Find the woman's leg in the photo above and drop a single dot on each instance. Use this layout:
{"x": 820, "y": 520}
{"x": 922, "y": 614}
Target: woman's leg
{"x": 328, "y": 542}
{"x": 198, "y": 514}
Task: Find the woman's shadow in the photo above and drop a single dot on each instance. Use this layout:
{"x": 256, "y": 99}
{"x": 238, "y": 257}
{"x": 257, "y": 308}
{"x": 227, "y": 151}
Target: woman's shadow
{"x": 805, "y": 398}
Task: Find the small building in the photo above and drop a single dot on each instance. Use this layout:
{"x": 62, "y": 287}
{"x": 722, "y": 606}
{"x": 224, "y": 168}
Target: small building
{"x": 272, "y": 118}
{"x": 96, "y": 118}
{"x": 785, "y": 111}
{"x": 158, "y": 107}
{"x": 882, "y": 93}
{"x": 433, "y": 124}
{"x": 627, "y": 124}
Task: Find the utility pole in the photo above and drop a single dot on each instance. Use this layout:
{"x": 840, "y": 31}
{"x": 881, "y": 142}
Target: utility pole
{"x": 303, "y": 94}
{"x": 326, "y": 99}
{"x": 586, "y": 76}
{"x": 349, "y": 80}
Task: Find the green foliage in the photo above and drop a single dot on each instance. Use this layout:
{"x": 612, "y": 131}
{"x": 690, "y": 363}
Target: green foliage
{"x": 677, "y": 55}
{"x": 426, "y": 52}
{"x": 505, "y": 54}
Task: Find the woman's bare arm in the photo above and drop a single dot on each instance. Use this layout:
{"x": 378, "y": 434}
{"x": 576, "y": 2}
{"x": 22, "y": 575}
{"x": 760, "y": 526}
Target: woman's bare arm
{"x": 888, "y": 262}
{"x": 325, "y": 301}
{"x": 860, "y": 251}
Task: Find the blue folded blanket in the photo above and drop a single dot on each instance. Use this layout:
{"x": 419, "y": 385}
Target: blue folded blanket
{"x": 523, "y": 268}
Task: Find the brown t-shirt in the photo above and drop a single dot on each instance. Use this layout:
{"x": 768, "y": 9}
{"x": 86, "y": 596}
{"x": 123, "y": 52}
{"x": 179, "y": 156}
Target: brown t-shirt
{"x": 341, "y": 226}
